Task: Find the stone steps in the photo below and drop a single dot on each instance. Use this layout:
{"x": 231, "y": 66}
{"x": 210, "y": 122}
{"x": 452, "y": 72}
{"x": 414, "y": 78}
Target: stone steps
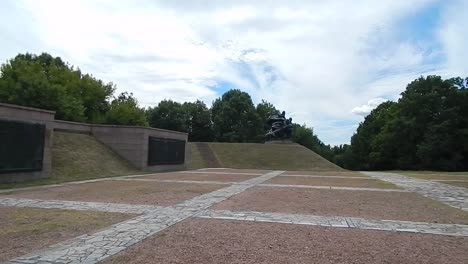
{"x": 208, "y": 156}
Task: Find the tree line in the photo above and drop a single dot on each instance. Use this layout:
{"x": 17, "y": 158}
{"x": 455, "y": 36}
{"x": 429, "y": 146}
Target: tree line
{"x": 427, "y": 128}
{"x": 47, "y": 82}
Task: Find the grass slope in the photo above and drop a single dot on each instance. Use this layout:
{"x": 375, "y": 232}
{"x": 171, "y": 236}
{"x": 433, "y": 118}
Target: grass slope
{"x": 263, "y": 156}
{"x": 79, "y": 157}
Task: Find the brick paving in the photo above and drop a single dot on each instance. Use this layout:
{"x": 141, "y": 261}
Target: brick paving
{"x": 92, "y": 248}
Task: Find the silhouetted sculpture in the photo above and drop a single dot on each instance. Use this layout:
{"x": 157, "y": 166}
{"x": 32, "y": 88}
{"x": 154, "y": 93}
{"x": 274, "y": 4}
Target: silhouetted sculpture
{"x": 281, "y": 128}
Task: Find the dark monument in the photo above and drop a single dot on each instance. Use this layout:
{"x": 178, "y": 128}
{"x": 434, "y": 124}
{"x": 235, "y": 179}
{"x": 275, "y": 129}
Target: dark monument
{"x": 281, "y": 128}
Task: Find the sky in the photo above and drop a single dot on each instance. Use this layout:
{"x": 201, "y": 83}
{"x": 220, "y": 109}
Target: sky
{"x": 326, "y": 63}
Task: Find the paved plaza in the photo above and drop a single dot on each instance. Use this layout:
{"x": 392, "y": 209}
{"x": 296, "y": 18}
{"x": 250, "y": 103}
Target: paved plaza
{"x": 255, "y": 216}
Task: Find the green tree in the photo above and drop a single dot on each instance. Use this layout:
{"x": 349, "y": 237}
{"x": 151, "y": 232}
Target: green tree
{"x": 168, "y": 115}
{"x": 426, "y": 129}
{"x": 49, "y": 83}
{"x": 235, "y": 118}
{"x": 305, "y": 136}
{"x": 124, "y": 110}
{"x": 198, "y": 122}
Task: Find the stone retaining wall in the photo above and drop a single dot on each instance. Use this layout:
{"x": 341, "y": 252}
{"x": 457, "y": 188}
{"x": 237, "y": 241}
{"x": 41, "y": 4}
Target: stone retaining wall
{"x": 30, "y": 115}
{"x": 130, "y": 142}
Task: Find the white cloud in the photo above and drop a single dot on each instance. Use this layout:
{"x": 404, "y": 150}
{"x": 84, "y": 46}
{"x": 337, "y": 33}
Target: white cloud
{"x": 454, "y": 37}
{"x": 364, "y": 110}
{"x": 314, "y": 59}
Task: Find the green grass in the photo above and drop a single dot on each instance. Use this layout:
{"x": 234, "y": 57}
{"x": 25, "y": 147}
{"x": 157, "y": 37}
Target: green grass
{"x": 194, "y": 158}
{"x": 264, "y": 156}
{"x": 78, "y": 157}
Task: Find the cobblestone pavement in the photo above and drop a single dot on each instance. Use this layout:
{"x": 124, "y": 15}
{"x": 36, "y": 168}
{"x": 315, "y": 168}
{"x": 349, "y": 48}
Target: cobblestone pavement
{"x": 451, "y": 195}
{"x": 337, "y": 221}
{"x": 223, "y": 173}
{"x": 331, "y": 187}
{"x": 82, "y": 206}
{"x": 179, "y": 181}
{"x": 98, "y": 246}
{"x": 92, "y": 248}
{"x": 69, "y": 183}
{"x": 326, "y": 177}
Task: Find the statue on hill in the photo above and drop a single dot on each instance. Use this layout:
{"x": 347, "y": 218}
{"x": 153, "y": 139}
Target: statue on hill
{"x": 281, "y": 128}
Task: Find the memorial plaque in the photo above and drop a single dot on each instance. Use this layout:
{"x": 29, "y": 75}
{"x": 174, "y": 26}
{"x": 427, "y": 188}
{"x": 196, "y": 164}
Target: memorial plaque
{"x": 163, "y": 151}
{"x": 21, "y": 146}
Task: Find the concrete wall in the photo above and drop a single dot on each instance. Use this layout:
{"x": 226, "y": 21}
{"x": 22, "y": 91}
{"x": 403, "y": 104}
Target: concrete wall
{"x": 31, "y": 115}
{"x": 130, "y": 142}
{"x": 73, "y": 127}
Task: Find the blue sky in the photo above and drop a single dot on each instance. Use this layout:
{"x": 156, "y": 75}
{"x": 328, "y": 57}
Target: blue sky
{"x": 326, "y": 63}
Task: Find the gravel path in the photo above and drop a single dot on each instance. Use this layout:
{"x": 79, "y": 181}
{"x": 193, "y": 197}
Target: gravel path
{"x": 448, "y": 194}
{"x": 380, "y": 204}
{"x": 81, "y": 206}
{"x": 127, "y": 192}
{"x": 219, "y": 241}
{"x": 98, "y": 246}
{"x": 358, "y": 210}
{"x": 337, "y": 221}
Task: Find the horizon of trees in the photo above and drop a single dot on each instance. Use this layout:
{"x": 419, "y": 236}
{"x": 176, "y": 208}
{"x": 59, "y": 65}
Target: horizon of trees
{"x": 426, "y": 129}
{"x": 47, "y": 82}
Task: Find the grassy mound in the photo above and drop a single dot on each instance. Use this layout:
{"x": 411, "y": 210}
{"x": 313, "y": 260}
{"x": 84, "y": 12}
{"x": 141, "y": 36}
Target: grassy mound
{"x": 80, "y": 157}
{"x": 262, "y": 156}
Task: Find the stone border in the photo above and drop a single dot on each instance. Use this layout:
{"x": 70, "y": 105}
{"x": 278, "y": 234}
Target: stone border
{"x": 451, "y": 195}
{"x": 340, "y": 221}
{"x": 330, "y": 177}
{"x": 331, "y": 187}
{"x": 177, "y": 181}
{"x": 92, "y": 248}
{"x": 98, "y": 246}
{"x": 81, "y": 206}
{"x": 223, "y": 173}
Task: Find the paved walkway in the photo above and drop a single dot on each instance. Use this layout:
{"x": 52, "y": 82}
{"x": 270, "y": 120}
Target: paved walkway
{"x": 331, "y": 187}
{"x": 98, "y": 246}
{"x": 339, "y": 221}
{"x": 81, "y": 206}
{"x": 95, "y": 247}
{"x": 451, "y": 195}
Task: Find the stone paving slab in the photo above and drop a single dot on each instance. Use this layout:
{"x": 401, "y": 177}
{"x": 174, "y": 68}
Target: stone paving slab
{"x": 340, "y": 221}
{"x": 178, "y": 181}
{"x": 25, "y": 230}
{"x": 209, "y": 199}
{"x": 350, "y": 174}
{"x": 92, "y": 248}
{"x": 116, "y": 191}
{"x": 201, "y": 176}
{"x": 448, "y": 194}
{"x": 398, "y": 205}
{"x": 66, "y": 183}
{"x": 236, "y": 171}
{"x": 215, "y": 241}
{"x": 325, "y": 177}
{"x": 338, "y": 182}
{"x": 331, "y": 187}
{"x": 223, "y": 173}
{"x": 463, "y": 184}
{"x": 82, "y": 206}
{"x": 98, "y": 246}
